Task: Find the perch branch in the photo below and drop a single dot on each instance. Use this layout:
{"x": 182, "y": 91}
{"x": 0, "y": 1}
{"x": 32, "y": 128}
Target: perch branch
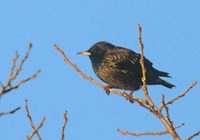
{"x": 64, "y": 125}
{"x": 124, "y": 94}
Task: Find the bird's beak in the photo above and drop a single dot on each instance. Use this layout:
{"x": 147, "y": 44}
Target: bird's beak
{"x": 84, "y": 53}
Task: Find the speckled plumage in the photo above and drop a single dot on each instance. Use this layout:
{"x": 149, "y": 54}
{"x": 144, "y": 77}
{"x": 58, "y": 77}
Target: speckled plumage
{"x": 120, "y": 67}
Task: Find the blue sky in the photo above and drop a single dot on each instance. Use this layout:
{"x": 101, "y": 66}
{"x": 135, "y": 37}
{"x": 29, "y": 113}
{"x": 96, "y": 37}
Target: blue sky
{"x": 171, "y": 39}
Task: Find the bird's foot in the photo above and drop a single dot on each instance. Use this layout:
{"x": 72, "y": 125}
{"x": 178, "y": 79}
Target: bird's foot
{"x": 129, "y": 97}
{"x": 107, "y": 89}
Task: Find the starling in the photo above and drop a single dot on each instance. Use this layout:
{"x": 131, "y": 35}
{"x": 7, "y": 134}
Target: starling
{"x": 120, "y": 67}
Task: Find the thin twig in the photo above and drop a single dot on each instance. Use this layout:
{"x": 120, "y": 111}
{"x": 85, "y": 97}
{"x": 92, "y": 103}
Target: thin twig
{"x": 21, "y": 82}
{"x": 35, "y": 130}
{"x": 22, "y": 62}
{"x": 14, "y": 72}
{"x": 145, "y": 90}
{"x": 64, "y": 125}
{"x": 163, "y": 132}
{"x": 1, "y": 85}
{"x": 13, "y": 67}
{"x": 142, "y": 133}
{"x": 179, "y": 96}
{"x": 10, "y": 112}
{"x": 167, "y": 113}
{"x": 194, "y": 135}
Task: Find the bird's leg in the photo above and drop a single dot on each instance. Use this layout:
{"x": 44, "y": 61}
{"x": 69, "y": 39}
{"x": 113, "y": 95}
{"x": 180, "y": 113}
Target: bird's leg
{"x": 130, "y": 95}
{"x": 107, "y": 89}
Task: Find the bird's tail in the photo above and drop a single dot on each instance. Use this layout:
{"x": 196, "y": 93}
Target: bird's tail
{"x": 165, "y": 83}
{"x": 161, "y": 73}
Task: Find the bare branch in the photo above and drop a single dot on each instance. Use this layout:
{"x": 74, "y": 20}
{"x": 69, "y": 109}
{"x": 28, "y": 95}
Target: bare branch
{"x": 35, "y": 130}
{"x": 64, "y": 125}
{"x": 1, "y": 85}
{"x": 142, "y": 133}
{"x": 21, "y": 63}
{"x": 179, "y": 96}
{"x": 167, "y": 113}
{"x": 13, "y": 67}
{"x": 155, "y": 110}
{"x": 10, "y": 112}
{"x": 30, "y": 119}
{"x": 145, "y": 90}
{"x": 163, "y": 132}
{"x": 194, "y": 135}
{"x": 14, "y": 72}
{"x": 21, "y": 82}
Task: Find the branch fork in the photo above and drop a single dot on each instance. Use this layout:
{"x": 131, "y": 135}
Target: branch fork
{"x": 15, "y": 71}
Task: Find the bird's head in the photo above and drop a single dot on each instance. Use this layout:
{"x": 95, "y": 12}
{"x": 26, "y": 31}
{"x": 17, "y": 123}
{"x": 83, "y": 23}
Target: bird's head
{"x": 98, "y": 50}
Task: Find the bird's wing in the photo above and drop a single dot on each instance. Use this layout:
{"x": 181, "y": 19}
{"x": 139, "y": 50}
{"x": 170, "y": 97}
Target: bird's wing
{"x": 125, "y": 59}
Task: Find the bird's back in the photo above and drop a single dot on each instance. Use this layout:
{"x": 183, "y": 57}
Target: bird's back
{"x": 120, "y": 68}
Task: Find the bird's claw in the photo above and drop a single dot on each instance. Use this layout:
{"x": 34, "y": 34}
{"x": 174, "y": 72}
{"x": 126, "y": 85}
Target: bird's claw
{"x": 129, "y": 97}
{"x": 107, "y": 89}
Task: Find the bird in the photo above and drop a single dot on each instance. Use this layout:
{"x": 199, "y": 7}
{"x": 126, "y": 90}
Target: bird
{"x": 120, "y": 67}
